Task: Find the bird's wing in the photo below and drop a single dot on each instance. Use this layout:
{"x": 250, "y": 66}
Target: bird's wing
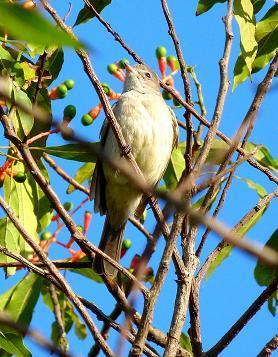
{"x": 175, "y": 129}
{"x": 98, "y": 183}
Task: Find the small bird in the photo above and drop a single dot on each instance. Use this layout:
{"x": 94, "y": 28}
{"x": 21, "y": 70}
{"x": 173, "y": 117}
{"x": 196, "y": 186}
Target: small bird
{"x": 150, "y": 128}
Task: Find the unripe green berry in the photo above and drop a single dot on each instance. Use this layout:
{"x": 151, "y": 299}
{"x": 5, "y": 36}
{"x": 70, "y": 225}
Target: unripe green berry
{"x": 80, "y": 228}
{"x": 70, "y": 111}
{"x": 106, "y": 88}
{"x": 87, "y": 120}
{"x": 176, "y": 103}
{"x": 46, "y": 235}
{"x": 171, "y": 59}
{"x": 111, "y": 68}
{"x": 166, "y": 95}
{"x": 20, "y": 177}
{"x": 123, "y": 62}
{"x": 69, "y": 83}
{"x": 62, "y": 90}
{"x": 68, "y": 206}
{"x": 161, "y": 52}
{"x": 126, "y": 244}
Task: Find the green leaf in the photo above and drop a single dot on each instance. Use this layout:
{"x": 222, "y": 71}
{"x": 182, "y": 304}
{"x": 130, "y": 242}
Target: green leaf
{"x": 205, "y": 5}
{"x": 68, "y": 315}
{"x": 20, "y": 198}
{"x": 266, "y": 36}
{"x": 29, "y": 72}
{"x": 20, "y": 300}
{"x": 30, "y": 26}
{"x": 83, "y": 173}
{"x": 240, "y": 231}
{"x": 13, "y": 344}
{"x": 76, "y": 152}
{"x": 261, "y": 191}
{"x": 54, "y": 64}
{"x": 23, "y": 122}
{"x": 262, "y": 155}
{"x": 86, "y": 14}
{"x": 243, "y": 10}
{"x": 185, "y": 342}
{"x": 257, "y": 5}
{"x": 175, "y": 168}
{"x": 264, "y": 274}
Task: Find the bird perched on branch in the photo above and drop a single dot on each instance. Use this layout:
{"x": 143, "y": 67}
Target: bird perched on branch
{"x": 150, "y": 128}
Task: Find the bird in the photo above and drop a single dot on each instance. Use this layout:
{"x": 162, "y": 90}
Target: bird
{"x": 150, "y": 129}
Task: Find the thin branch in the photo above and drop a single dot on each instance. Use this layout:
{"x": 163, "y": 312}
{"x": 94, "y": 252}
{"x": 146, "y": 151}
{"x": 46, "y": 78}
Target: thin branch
{"x": 64, "y": 175}
{"x": 62, "y": 338}
{"x": 60, "y": 264}
{"x": 243, "y": 320}
{"x": 33, "y": 335}
{"x": 270, "y": 347}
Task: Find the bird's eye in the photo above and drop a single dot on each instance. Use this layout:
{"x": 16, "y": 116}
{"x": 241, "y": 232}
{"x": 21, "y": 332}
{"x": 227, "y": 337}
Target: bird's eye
{"x": 148, "y": 75}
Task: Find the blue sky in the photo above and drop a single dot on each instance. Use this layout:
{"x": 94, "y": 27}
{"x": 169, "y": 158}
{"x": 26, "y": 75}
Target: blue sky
{"x": 232, "y": 288}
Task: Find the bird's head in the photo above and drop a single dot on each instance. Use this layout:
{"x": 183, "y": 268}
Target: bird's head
{"x": 141, "y": 78}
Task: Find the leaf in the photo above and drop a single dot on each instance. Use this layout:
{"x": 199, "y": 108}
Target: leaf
{"x": 265, "y": 274}
{"x": 20, "y": 198}
{"x": 30, "y": 26}
{"x": 68, "y": 315}
{"x": 76, "y": 152}
{"x": 241, "y": 232}
{"x": 257, "y": 5}
{"x": 267, "y": 38}
{"x": 54, "y": 64}
{"x": 86, "y": 14}
{"x": 262, "y": 155}
{"x": 243, "y": 10}
{"x": 83, "y": 173}
{"x": 20, "y": 300}
{"x": 185, "y": 342}
{"x": 261, "y": 191}
{"x": 13, "y": 344}
{"x": 29, "y": 72}
{"x": 175, "y": 168}
{"x": 25, "y": 121}
{"x": 205, "y": 5}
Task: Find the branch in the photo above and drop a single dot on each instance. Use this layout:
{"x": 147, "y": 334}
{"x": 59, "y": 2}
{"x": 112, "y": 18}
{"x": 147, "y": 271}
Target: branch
{"x": 64, "y": 175}
{"x": 33, "y": 335}
{"x": 242, "y": 321}
{"x": 270, "y": 347}
{"x": 59, "y": 277}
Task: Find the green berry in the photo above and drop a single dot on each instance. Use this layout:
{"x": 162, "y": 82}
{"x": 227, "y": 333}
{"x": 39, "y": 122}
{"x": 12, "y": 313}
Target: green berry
{"x": 20, "y": 177}
{"x": 166, "y": 95}
{"x": 161, "y": 52}
{"x": 62, "y": 91}
{"x": 46, "y": 235}
{"x": 87, "y": 120}
{"x": 70, "y": 111}
{"x": 112, "y": 68}
{"x": 176, "y": 103}
{"x": 126, "y": 244}
{"x": 68, "y": 206}
{"x": 106, "y": 88}
{"x": 123, "y": 62}
{"x": 69, "y": 83}
{"x": 80, "y": 228}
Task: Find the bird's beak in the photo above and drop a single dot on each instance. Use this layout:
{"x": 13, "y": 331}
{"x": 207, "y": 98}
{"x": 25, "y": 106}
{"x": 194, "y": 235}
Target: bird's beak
{"x": 129, "y": 69}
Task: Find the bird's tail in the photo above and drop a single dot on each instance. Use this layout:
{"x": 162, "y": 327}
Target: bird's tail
{"x": 110, "y": 244}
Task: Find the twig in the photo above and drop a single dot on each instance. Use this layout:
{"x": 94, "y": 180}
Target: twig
{"x": 59, "y": 277}
{"x": 242, "y": 321}
{"x": 60, "y": 264}
{"x": 64, "y": 175}
{"x": 247, "y": 217}
{"x": 195, "y": 323}
{"x": 34, "y": 335}
{"x": 62, "y": 339}
{"x": 270, "y": 347}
